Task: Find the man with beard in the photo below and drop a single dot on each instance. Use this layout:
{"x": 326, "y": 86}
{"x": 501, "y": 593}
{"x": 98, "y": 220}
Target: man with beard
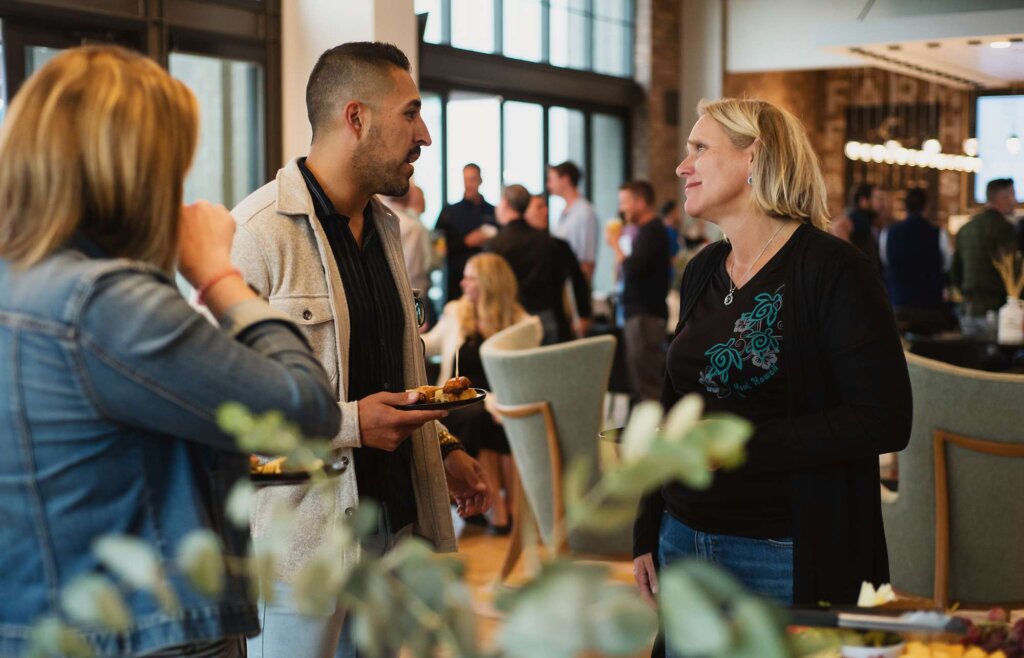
{"x": 322, "y": 249}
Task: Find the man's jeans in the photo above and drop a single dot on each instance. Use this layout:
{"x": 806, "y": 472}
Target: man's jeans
{"x": 763, "y": 566}
{"x": 288, "y": 634}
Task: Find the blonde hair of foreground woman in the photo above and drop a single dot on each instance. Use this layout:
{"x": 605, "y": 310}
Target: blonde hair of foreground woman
{"x": 786, "y": 176}
{"x": 497, "y": 307}
{"x": 98, "y": 141}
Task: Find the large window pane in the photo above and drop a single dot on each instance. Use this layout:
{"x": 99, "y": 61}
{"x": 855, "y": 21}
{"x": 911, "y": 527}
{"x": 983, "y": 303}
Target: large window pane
{"x": 229, "y": 161}
{"x": 612, "y": 31}
{"x": 568, "y": 27}
{"x": 473, "y": 25}
{"x": 524, "y": 146}
{"x": 521, "y": 28}
{"x": 473, "y": 135}
{"x": 609, "y": 156}
{"x": 433, "y": 10}
{"x": 566, "y": 141}
{"x": 37, "y": 56}
{"x": 428, "y": 167}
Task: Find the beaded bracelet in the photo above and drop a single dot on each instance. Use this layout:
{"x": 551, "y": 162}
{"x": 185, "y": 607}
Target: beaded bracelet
{"x": 449, "y": 443}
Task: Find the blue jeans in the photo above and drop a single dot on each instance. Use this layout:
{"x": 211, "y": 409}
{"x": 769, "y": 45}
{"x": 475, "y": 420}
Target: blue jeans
{"x": 288, "y": 634}
{"x": 762, "y": 566}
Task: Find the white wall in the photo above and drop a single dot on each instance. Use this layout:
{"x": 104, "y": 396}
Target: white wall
{"x": 309, "y": 27}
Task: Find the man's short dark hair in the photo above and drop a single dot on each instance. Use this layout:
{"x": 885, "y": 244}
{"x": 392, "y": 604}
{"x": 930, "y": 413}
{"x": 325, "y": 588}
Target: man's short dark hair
{"x": 517, "y": 197}
{"x": 568, "y": 169}
{"x": 861, "y": 192}
{"x": 916, "y": 200}
{"x": 640, "y": 189}
{"x": 667, "y": 208}
{"x": 473, "y": 165}
{"x": 358, "y": 70}
{"x": 997, "y": 185}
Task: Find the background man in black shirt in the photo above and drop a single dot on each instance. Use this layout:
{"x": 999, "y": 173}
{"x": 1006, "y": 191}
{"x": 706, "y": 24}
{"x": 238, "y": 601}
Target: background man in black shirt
{"x": 645, "y": 273}
{"x": 466, "y": 226}
{"x": 542, "y": 264}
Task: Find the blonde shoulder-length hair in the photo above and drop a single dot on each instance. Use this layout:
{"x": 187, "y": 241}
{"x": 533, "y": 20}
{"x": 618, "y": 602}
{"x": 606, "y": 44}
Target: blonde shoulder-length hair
{"x": 98, "y": 141}
{"x": 787, "y": 180}
{"x": 497, "y": 307}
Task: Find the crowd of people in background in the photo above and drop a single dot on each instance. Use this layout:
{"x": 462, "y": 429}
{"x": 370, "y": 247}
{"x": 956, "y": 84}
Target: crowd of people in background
{"x": 936, "y": 283}
{"x": 313, "y": 281}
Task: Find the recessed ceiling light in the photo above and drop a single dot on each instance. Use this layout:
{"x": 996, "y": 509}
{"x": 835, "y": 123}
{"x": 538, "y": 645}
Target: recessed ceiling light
{"x": 1000, "y": 44}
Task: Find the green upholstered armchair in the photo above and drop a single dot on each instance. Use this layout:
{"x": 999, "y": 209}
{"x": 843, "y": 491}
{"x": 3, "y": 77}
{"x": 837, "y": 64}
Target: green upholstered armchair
{"x": 550, "y": 399}
{"x": 956, "y": 527}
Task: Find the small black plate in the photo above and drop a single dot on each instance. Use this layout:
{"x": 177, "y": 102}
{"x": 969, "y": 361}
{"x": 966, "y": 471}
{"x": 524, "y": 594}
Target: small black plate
{"x": 293, "y": 477}
{"x": 433, "y": 406}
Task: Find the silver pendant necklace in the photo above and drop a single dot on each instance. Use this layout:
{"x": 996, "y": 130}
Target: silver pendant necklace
{"x": 732, "y": 284}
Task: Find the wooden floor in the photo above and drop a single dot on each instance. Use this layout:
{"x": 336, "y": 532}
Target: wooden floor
{"x": 484, "y": 556}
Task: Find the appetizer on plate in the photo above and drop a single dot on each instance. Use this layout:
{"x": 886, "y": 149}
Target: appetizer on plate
{"x": 454, "y": 390}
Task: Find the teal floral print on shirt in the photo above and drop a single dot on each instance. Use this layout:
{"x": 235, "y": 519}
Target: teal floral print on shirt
{"x": 758, "y": 342}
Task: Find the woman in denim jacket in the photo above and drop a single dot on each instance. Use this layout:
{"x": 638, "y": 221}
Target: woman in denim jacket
{"x": 110, "y": 381}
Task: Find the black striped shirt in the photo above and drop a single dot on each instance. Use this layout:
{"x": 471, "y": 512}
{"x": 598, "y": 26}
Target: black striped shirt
{"x": 377, "y": 326}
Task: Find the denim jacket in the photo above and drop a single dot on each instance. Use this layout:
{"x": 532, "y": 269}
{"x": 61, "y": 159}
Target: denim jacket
{"x": 110, "y": 384}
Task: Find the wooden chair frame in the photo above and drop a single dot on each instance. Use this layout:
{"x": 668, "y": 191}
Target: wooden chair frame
{"x": 560, "y": 540}
{"x": 940, "y": 591}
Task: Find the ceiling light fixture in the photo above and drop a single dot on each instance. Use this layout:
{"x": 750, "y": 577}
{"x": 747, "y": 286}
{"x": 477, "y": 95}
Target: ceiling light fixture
{"x": 1013, "y": 144}
{"x": 892, "y": 153}
{"x": 999, "y": 44}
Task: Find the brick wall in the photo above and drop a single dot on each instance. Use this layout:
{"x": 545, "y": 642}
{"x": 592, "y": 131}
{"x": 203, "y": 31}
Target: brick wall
{"x": 826, "y": 101}
{"x": 655, "y": 134}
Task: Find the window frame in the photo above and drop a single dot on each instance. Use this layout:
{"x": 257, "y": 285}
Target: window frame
{"x": 588, "y": 12}
{"x": 247, "y": 30}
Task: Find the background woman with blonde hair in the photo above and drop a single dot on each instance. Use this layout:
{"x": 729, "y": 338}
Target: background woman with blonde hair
{"x": 112, "y": 382}
{"x": 790, "y": 328}
{"x": 488, "y": 305}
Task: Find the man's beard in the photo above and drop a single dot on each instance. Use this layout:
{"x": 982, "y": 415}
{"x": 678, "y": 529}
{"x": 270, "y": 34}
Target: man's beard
{"x": 378, "y": 176}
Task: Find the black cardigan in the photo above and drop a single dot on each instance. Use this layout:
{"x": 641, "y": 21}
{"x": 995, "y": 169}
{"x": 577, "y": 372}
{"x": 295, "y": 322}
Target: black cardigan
{"x": 849, "y": 401}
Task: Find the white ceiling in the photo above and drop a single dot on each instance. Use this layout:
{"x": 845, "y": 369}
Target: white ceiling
{"x": 934, "y": 41}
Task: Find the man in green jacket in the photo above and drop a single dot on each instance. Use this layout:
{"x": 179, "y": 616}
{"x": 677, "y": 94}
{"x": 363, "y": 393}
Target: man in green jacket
{"x": 987, "y": 235}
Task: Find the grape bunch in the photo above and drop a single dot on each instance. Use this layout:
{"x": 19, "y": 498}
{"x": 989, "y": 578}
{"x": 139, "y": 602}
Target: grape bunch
{"x": 996, "y": 634}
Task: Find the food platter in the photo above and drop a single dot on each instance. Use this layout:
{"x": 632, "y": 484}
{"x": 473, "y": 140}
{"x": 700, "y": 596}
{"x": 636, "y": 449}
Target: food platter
{"x": 296, "y": 477}
{"x": 434, "y": 406}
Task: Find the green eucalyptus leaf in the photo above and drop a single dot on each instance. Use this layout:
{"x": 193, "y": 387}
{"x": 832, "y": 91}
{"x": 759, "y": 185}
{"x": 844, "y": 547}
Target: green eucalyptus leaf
{"x": 94, "y": 600}
{"x": 682, "y": 417}
{"x": 366, "y": 520}
{"x": 234, "y": 419}
{"x": 316, "y": 585}
{"x": 761, "y": 633}
{"x": 622, "y": 623}
{"x": 262, "y": 564}
{"x": 719, "y": 427}
{"x": 241, "y": 503}
{"x": 201, "y": 560}
{"x": 131, "y": 559}
{"x": 694, "y": 624}
{"x": 641, "y": 430}
{"x": 52, "y": 638}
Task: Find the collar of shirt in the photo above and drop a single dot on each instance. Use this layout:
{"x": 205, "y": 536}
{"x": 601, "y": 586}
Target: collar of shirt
{"x": 324, "y": 207}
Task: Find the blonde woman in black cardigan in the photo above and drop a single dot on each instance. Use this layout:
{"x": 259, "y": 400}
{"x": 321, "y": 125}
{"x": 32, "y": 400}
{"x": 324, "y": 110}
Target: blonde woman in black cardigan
{"x": 790, "y": 328}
